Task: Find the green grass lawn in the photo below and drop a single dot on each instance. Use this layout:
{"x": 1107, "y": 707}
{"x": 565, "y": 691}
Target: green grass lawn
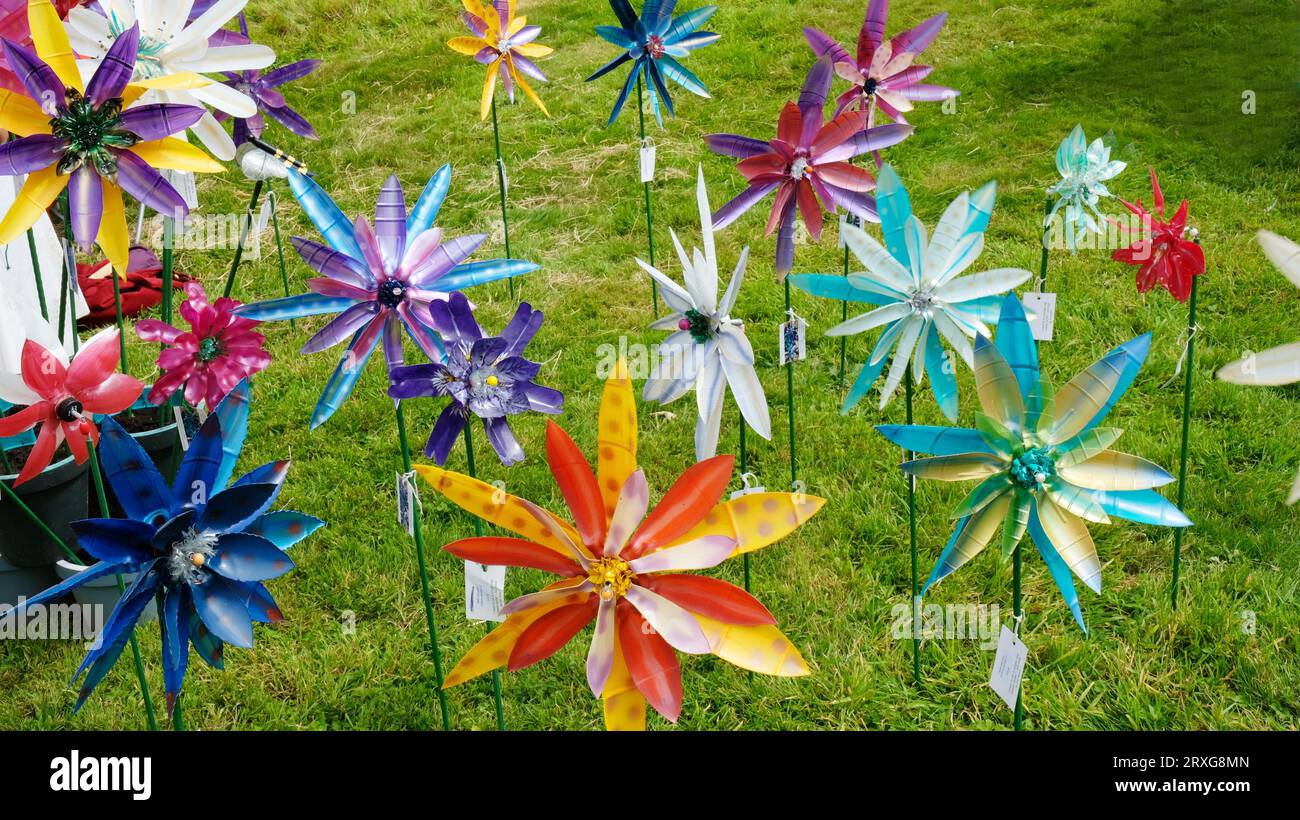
{"x": 1167, "y": 77}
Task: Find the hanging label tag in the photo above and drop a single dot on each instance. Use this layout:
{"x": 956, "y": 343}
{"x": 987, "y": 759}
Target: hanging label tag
{"x": 1041, "y": 308}
{"x": 794, "y": 339}
{"x": 485, "y": 592}
{"x": 647, "y": 160}
{"x": 750, "y": 486}
{"x": 847, "y": 218}
{"x": 180, "y": 429}
{"x": 263, "y": 216}
{"x": 183, "y": 182}
{"x": 407, "y": 499}
{"x": 202, "y": 410}
{"x": 1008, "y": 666}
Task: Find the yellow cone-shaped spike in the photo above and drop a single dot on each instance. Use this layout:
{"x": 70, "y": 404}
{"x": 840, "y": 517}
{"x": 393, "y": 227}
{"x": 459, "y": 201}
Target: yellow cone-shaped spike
{"x": 51, "y": 41}
{"x": 616, "y": 437}
{"x": 756, "y": 520}
{"x": 37, "y": 193}
{"x": 1069, "y": 535}
{"x": 1111, "y": 470}
{"x": 625, "y": 706}
{"x": 177, "y": 155}
{"x": 763, "y": 649}
{"x": 113, "y": 239}
{"x": 495, "y": 506}
{"x": 493, "y": 650}
{"x": 467, "y": 45}
{"x": 22, "y": 115}
{"x": 999, "y": 393}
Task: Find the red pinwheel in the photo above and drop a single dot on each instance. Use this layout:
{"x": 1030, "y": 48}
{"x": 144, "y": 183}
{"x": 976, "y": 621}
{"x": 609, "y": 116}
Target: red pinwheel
{"x": 62, "y": 396}
{"x": 1166, "y": 257}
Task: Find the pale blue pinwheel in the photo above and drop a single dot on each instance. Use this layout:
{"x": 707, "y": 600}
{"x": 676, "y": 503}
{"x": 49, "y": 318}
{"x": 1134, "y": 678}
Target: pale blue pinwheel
{"x": 1044, "y": 460}
{"x": 201, "y": 547}
{"x": 376, "y": 280}
{"x": 919, "y": 286}
{"x": 653, "y": 42}
{"x": 1084, "y": 169}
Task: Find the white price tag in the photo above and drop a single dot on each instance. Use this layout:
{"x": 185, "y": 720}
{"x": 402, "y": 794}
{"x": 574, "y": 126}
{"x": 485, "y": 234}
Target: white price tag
{"x": 847, "y": 218}
{"x": 180, "y": 429}
{"x": 263, "y": 216}
{"x": 647, "y": 161}
{"x": 485, "y": 592}
{"x": 794, "y": 340}
{"x": 1041, "y": 308}
{"x": 1008, "y": 666}
{"x": 749, "y": 488}
{"x": 408, "y": 499}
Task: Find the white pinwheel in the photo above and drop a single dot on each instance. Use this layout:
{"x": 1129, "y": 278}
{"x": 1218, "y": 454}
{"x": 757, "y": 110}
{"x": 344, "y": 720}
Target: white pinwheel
{"x": 918, "y": 283}
{"x": 1279, "y": 365}
{"x": 175, "y": 52}
{"x": 709, "y": 349}
{"x": 1084, "y": 170}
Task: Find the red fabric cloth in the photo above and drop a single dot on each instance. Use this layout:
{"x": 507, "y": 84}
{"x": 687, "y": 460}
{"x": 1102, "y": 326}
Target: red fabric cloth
{"x": 142, "y": 288}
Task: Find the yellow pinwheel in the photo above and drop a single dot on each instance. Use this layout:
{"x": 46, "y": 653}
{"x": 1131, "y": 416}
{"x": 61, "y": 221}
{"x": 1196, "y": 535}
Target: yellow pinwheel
{"x": 86, "y": 138}
{"x": 503, "y": 43}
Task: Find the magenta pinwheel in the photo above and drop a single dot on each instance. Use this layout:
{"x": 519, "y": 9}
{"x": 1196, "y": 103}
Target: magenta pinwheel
{"x": 376, "y": 280}
{"x": 807, "y": 165}
{"x": 217, "y": 353}
{"x": 264, "y": 89}
{"x": 883, "y": 74}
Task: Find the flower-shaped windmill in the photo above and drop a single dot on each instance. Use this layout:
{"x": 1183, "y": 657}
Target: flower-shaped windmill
{"x": 883, "y": 75}
{"x": 1166, "y": 256}
{"x": 807, "y": 165}
{"x": 77, "y": 136}
{"x": 218, "y": 351}
{"x": 504, "y": 44}
{"x": 264, "y": 90}
{"x": 1279, "y": 365}
{"x": 174, "y": 55}
{"x": 923, "y": 292}
{"x": 709, "y": 350}
{"x": 1044, "y": 462}
{"x": 653, "y": 43}
{"x": 201, "y": 546}
{"x": 1084, "y": 169}
{"x": 63, "y": 395}
{"x": 380, "y": 280}
{"x": 485, "y": 376}
{"x": 624, "y": 569}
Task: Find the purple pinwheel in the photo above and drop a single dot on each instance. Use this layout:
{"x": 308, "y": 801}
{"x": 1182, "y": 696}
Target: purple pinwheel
{"x": 883, "y": 75}
{"x": 262, "y": 88}
{"x": 807, "y": 164}
{"x": 376, "y": 280}
{"x": 484, "y": 375}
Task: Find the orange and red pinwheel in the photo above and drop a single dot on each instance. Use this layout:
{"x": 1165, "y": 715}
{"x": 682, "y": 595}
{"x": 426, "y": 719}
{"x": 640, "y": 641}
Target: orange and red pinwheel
{"x": 623, "y": 568}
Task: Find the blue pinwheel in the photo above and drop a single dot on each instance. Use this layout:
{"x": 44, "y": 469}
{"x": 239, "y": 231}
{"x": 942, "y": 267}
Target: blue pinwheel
{"x": 376, "y": 280}
{"x": 201, "y": 547}
{"x": 653, "y": 42}
{"x": 1044, "y": 460}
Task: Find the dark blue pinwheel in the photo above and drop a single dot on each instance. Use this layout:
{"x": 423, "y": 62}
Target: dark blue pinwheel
{"x": 202, "y": 548}
{"x": 486, "y": 376}
{"x": 653, "y": 42}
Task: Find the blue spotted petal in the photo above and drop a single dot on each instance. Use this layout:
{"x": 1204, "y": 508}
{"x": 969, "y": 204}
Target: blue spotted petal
{"x": 430, "y": 202}
{"x": 241, "y": 556}
{"x": 220, "y": 603}
{"x": 233, "y": 412}
{"x": 284, "y": 528}
{"x": 136, "y": 482}
{"x": 115, "y": 634}
{"x": 233, "y": 509}
{"x": 118, "y": 541}
{"x": 196, "y": 477}
{"x": 174, "y": 624}
{"x": 210, "y": 648}
{"x": 333, "y": 225}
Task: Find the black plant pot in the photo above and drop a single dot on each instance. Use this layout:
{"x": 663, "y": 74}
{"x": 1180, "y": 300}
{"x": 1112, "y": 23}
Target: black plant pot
{"x": 58, "y": 496}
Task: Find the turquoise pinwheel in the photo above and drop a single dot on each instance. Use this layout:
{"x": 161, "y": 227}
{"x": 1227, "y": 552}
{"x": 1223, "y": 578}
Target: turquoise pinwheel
{"x": 380, "y": 280}
{"x": 918, "y": 286}
{"x": 652, "y": 43}
{"x": 1043, "y": 457}
{"x": 1084, "y": 169}
{"x": 200, "y": 547}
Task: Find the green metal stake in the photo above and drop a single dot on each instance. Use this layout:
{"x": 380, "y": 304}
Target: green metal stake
{"x": 1042, "y": 264}
{"x": 117, "y": 310}
{"x": 178, "y": 716}
{"x": 1187, "y": 424}
{"x": 789, "y": 392}
{"x": 501, "y": 189}
{"x": 243, "y": 237}
{"x": 36, "y": 271}
{"x": 911, "y": 527}
{"x": 649, "y": 218}
{"x": 844, "y": 316}
{"x": 279, "y": 245}
{"x": 478, "y": 531}
{"x": 69, "y": 268}
{"x": 744, "y": 468}
{"x": 168, "y": 272}
{"x": 1019, "y": 612}
{"x": 424, "y": 572}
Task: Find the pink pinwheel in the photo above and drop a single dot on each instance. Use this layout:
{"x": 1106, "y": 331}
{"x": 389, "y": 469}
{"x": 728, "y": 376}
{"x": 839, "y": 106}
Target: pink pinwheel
{"x": 1165, "y": 258}
{"x": 807, "y": 165}
{"x": 218, "y": 352}
{"x": 883, "y": 75}
{"x": 62, "y": 397}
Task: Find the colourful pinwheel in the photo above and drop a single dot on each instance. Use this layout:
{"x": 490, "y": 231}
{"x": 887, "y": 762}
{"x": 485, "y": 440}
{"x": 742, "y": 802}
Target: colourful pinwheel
{"x": 1045, "y": 463}
{"x": 625, "y": 572}
{"x": 179, "y": 43}
{"x": 486, "y": 376}
{"x": 807, "y": 164}
{"x": 1279, "y": 365}
{"x": 709, "y": 351}
{"x": 1084, "y": 169}
{"x": 503, "y": 43}
{"x": 653, "y": 43}
{"x": 883, "y": 76}
{"x": 376, "y": 280}
{"x": 62, "y": 396}
{"x": 922, "y": 294}
{"x": 201, "y": 546}
{"x": 218, "y": 352}
{"x": 263, "y": 89}
{"x": 1165, "y": 257}
{"x": 78, "y": 136}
